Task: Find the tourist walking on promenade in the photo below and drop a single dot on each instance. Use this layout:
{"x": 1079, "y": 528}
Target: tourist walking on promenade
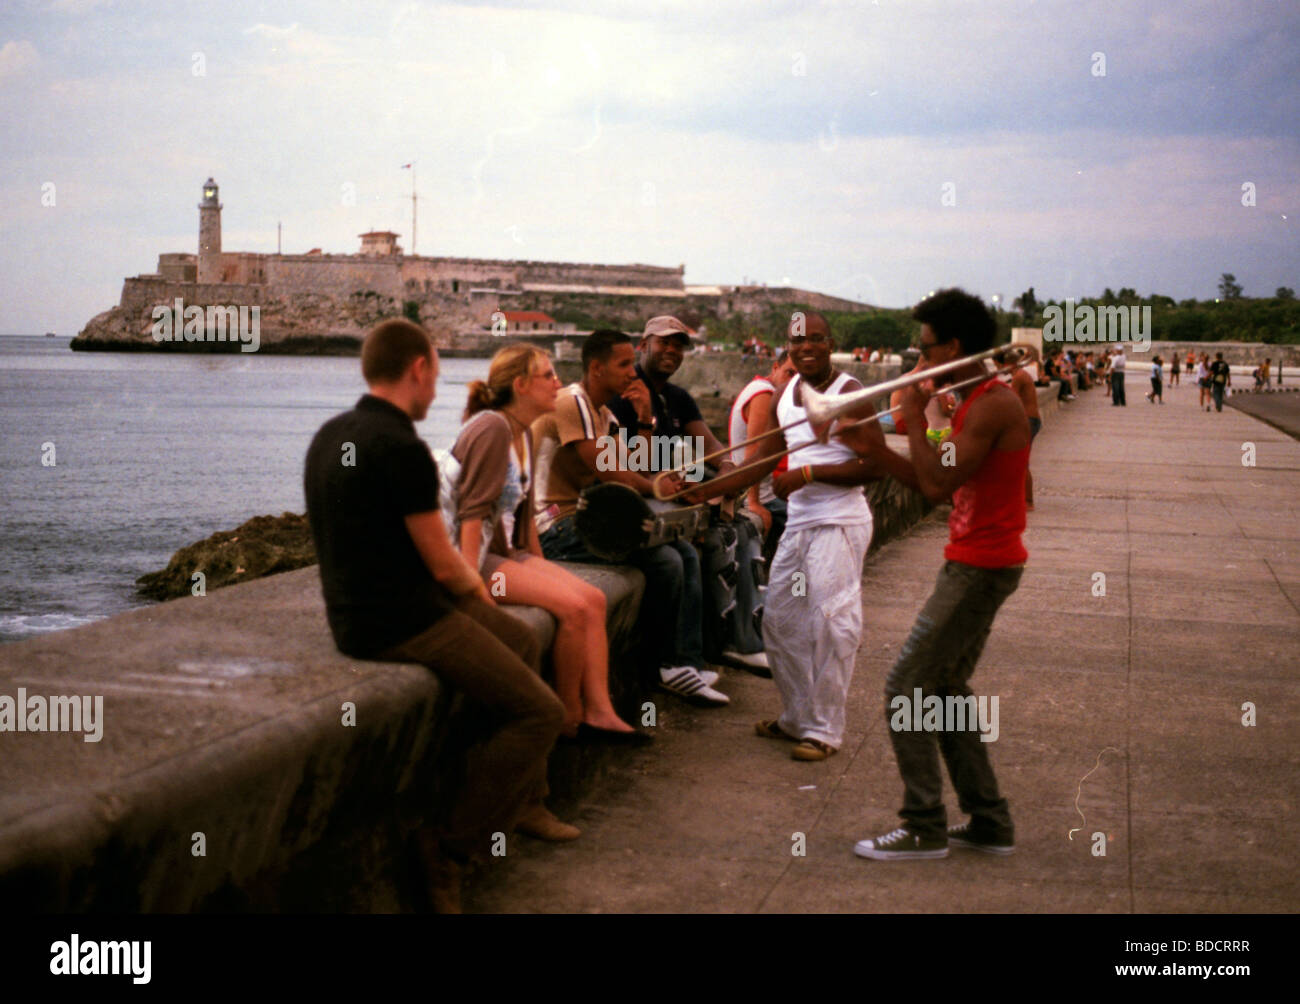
{"x": 1157, "y": 381}
{"x": 985, "y": 560}
{"x": 1203, "y": 382}
{"x": 1220, "y": 380}
{"x": 1174, "y": 370}
{"x": 494, "y": 528}
{"x": 1117, "y": 364}
{"x": 397, "y": 589}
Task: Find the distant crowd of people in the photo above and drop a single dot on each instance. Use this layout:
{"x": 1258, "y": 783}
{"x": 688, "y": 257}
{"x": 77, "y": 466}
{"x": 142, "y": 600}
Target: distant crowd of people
{"x": 1075, "y": 371}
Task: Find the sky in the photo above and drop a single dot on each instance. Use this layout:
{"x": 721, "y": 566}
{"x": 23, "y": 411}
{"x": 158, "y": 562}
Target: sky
{"x": 873, "y": 150}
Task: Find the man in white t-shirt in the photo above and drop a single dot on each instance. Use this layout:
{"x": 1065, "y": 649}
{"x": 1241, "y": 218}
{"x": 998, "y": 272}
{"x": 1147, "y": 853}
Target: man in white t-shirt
{"x": 1117, "y": 364}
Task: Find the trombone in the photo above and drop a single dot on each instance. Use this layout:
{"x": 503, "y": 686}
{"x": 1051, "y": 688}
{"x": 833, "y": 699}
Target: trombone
{"x": 822, "y": 409}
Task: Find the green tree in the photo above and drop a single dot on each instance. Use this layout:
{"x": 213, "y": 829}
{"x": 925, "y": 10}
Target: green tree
{"x": 1027, "y": 304}
{"x": 1285, "y": 293}
{"x": 1228, "y": 288}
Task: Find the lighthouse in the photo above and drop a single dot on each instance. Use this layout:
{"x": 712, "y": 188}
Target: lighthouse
{"x": 209, "y": 234}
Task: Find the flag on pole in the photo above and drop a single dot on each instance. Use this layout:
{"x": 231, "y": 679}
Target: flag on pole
{"x": 405, "y": 166}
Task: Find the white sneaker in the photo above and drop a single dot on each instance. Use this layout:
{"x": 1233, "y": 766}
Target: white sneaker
{"x": 685, "y": 681}
{"x": 709, "y": 676}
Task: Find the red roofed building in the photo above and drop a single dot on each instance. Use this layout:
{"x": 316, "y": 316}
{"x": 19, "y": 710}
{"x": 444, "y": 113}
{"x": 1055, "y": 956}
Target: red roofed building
{"x": 528, "y": 320}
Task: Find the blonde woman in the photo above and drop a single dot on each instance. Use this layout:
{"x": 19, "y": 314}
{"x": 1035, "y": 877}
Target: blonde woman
{"x": 495, "y": 531}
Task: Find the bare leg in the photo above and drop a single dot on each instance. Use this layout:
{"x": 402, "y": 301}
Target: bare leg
{"x": 581, "y": 648}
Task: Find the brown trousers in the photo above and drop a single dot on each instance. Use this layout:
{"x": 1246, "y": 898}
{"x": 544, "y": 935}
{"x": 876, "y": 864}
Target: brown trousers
{"x": 492, "y": 658}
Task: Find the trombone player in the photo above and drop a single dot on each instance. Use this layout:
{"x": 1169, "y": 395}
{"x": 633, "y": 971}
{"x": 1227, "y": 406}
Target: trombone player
{"x": 983, "y": 468}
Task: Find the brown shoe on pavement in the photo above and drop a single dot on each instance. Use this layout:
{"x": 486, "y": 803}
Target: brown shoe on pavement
{"x": 812, "y": 749}
{"x": 769, "y": 729}
{"x": 537, "y": 821}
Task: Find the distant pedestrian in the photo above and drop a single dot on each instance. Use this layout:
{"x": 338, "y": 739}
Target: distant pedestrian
{"x": 1117, "y": 365}
{"x": 1220, "y": 380}
{"x": 1174, "y": 370}
{"x": 1203, "y": 382}
{"x": 1264, "y": 371}
{"x": 1157, "y": 381}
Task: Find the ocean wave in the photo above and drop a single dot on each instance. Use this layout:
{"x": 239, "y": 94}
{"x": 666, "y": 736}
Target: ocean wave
{"x": 16, "y": 626}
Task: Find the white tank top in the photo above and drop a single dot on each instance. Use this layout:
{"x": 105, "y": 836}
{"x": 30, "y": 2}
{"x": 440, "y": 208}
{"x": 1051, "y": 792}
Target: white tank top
{"x": 819, "y": 504}
{"x": 739, "y": 429}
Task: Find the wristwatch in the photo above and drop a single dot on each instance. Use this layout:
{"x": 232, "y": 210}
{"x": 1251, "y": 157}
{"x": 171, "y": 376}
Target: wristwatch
{"x": 646, "y": 425}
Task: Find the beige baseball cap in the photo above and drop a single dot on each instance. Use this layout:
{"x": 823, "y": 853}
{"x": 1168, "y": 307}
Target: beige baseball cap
{"x": 665, "y": 325}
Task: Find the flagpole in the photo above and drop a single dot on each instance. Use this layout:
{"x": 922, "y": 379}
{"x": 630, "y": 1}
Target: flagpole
{"x": 414, "y": 197}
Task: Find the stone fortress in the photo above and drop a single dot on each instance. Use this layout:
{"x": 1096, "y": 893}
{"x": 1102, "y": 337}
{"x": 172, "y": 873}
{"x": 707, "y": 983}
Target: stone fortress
{"x": 318, "y": 302}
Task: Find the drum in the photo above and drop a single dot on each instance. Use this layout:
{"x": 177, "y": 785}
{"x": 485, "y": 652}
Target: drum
{"x": 614, "y": 521}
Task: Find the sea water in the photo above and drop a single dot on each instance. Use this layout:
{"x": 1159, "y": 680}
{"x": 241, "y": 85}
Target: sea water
{"x": 110, "y": 462}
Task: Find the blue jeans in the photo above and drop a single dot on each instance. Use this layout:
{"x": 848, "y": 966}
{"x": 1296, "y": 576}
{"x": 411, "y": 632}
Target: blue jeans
{"x": 670, "y": 623}
{"x": 1117, "y": 388}
{"x": 1216, "y": 390}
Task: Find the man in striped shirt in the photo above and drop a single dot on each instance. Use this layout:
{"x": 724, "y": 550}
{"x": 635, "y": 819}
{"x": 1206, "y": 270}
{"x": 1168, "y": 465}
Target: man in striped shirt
{"x": 569, "y": 447}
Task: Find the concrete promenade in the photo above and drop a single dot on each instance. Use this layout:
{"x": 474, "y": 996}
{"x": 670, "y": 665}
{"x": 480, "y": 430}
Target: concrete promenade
{"x": 1201, "y": 614}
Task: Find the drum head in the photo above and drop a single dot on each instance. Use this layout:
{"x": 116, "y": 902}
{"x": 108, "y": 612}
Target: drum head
{"x": 611, "y": 520}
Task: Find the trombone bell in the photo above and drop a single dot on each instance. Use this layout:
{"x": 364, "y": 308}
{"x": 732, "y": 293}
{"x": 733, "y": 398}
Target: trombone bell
{"x": 822, "y": 409}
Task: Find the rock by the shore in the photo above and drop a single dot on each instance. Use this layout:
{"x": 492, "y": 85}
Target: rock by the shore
{"x": 264, "y": 545}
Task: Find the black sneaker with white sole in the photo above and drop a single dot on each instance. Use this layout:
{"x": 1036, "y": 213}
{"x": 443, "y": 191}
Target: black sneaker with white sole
{"x": 901, "y": 845}
{"x": 964, "y": 835}
{"x": 685, "y": 681}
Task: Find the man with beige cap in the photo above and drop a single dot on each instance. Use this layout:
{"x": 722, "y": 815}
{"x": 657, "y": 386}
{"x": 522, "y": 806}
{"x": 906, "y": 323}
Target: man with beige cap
{"x": 654, "y": 406}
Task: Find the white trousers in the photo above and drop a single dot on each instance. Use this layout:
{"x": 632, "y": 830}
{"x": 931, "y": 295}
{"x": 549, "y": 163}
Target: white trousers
{"x": 812, "y": 624}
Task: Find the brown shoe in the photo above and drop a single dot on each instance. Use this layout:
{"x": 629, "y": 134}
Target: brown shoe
{"x": 812, "y": 749}
{"x": 537, "y": 821}
{"x": 442, "y": 874}
{"x": 769, "y": 729}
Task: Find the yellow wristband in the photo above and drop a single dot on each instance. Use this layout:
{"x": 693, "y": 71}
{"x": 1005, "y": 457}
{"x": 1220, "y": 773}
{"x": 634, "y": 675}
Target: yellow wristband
{"x": 807, "y": 474}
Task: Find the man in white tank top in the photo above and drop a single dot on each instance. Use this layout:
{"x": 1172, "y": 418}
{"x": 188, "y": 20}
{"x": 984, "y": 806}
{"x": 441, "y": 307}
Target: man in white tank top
{"x": 812, "y": 622}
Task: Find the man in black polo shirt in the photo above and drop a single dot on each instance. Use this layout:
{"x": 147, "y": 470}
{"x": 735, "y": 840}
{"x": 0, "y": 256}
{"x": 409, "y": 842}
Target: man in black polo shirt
{"x": 654, "y": 406}
{"x": 397, "y": 589}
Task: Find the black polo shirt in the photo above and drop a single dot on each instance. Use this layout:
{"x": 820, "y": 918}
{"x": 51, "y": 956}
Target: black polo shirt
{"x": 366, "y": 470}
{"x": 674, "y": 409}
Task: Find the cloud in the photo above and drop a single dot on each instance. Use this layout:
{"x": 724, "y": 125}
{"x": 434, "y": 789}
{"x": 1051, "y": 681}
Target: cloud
{"x": 17, "y": 58}
{"x": 271, "y": 30}
{"x": 76, "y": 6}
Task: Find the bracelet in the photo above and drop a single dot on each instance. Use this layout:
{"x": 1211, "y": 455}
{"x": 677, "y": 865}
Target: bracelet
{"x": 807, "y": 474}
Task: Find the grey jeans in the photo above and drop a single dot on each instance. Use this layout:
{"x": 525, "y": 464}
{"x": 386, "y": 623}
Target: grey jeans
{"x": 938, "y": 658}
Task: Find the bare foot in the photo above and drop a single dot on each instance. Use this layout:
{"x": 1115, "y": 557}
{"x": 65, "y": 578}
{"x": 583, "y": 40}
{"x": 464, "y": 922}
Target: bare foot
{"x": 607, "y": 720}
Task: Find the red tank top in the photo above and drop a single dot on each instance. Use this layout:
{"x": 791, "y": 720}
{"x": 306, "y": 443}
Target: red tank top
{"x": 988, "y": 511}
